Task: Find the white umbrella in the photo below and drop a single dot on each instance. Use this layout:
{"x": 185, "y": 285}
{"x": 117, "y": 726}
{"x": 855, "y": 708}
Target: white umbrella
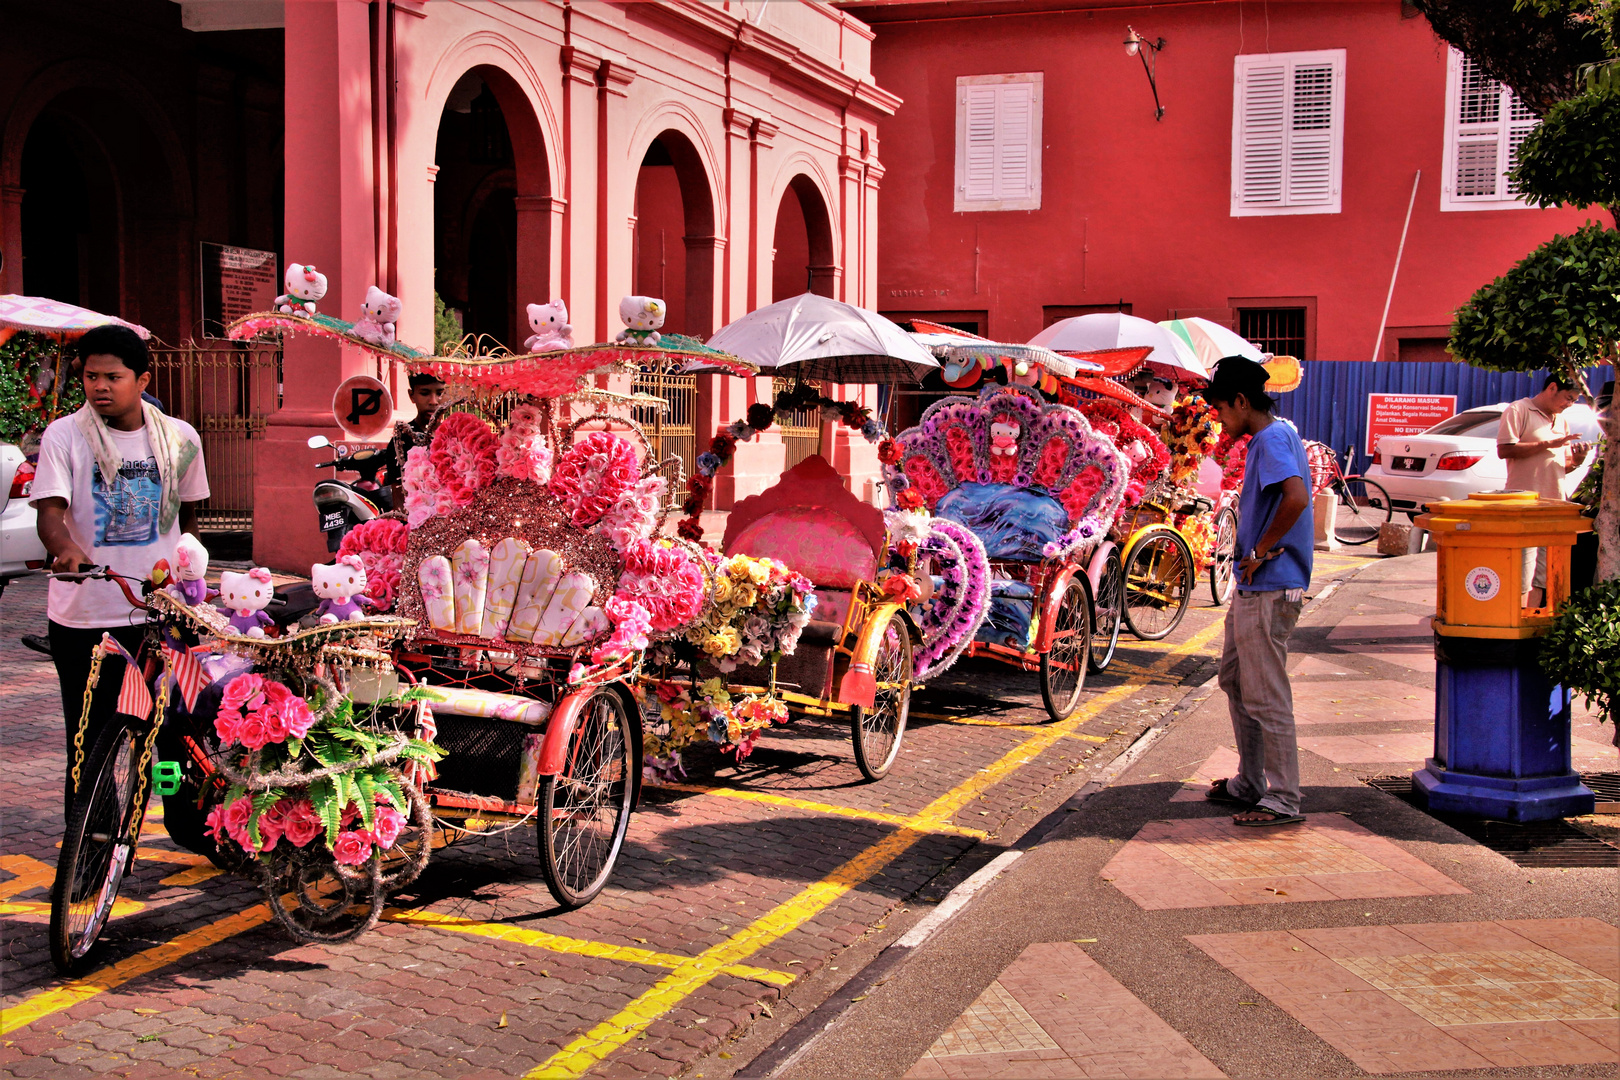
{"x": 825, "y": 339}
{"x": 1212, "y": 341}
{"x": 965, "y": 348}
{"x": 1116, "y": 330}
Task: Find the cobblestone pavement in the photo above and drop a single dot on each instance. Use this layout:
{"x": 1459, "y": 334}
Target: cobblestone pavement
{"x": 731, "y": 890}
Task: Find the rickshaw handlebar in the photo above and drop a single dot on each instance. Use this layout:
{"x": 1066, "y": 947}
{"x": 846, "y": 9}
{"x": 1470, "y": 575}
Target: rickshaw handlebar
{"x": 98, "y": 573}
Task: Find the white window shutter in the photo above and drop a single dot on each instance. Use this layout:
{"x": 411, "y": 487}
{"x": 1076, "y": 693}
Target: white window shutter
{"x": 1485, "y": 123}
{"x": 1288, "y": 133}
{"x": 998, "y": 142}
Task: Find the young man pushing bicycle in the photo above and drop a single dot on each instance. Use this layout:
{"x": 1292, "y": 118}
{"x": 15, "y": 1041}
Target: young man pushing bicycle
{"x": 118, "y": 482}
{"x": 1274, "y": 543}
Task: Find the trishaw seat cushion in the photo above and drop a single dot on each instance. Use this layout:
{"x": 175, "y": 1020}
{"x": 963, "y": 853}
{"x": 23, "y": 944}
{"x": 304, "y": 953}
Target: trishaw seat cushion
{"x": 821, "y": 544}
{"x": 1020, "y": 590}
{"x": 1011, "y": 522}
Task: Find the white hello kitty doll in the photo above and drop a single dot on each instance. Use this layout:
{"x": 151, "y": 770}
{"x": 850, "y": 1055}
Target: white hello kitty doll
{"x": 342, "y": 588}
{"x": 305, "y": 285}
{"x": 378, "y": 316}
{"x": 642, "y": 316}
{"x": 1003, "y": 438}
{"x": 551, "y": 328}
{"x": 246, "y": 596}
{"x": 190, "y": 572}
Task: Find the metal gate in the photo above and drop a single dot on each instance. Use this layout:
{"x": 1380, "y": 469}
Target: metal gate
{"x": 801, "y": 428}
{"x": 671, "y": 430}
{"x": 226, "y": 390}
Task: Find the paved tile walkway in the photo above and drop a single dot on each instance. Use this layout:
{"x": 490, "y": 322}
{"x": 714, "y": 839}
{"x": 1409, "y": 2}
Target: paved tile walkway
{"x": 1209, "y": 862}
{"x": 1056, "y": 1013}
{"x": 1504, "y": 994}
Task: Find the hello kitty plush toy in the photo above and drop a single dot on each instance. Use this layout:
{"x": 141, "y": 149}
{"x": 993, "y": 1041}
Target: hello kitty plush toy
{"x": 341, "y": 588}
{"x": 551, "y": 329}
{"x": 246, "y": 596}
{"x": 642, "y": 316}
{"x": 189, "y": 583}
{"x": 1003, "y": 438}
{"x": 378, "y": 316}
{"x": 305, "y": 285}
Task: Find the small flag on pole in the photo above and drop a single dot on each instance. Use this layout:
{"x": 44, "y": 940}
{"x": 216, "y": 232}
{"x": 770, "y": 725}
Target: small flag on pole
{"x": 188, "y": 674}
{"x": 134, "y": 697}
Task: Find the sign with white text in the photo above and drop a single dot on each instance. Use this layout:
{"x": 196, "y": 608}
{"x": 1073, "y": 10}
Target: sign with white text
{"x": 1404, "y": 414}
{"x": 236, "y": 281}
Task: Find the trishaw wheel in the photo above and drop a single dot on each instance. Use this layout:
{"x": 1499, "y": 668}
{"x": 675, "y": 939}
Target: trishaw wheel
{"x": 1063, "y": 666}
{"x": 1107, "y": 606}
{"x": 877, "y": 732}
{"x": 585, "y": 811}
{"x": 1222, "y": 575}
{"x": 1158, "y": 584}
{"x": 96, "y": 848}
{"x": 402, "y": 863}
{"x": 316, "y": 902}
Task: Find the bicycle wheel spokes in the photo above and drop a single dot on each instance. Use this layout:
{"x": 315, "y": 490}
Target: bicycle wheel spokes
{"x": 1158, "y": 585}
{"x": 1364, "y": 507}
{"x": 96, "y": 848}
{"x": 585, "y": 811}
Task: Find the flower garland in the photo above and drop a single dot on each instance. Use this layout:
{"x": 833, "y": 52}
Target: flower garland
{"x": 961, "y": 601}
{"x": 760, "y": 417}
{"x": 1199, "y": 532}
{"x": 708, "y": 712}
{"x": 1139, "y": 443}
{"x": 667, "y": 580}
{"x": 1232, "y": 456}
{"x": 1191, "y": 435}
{"x": 380, "y": 546}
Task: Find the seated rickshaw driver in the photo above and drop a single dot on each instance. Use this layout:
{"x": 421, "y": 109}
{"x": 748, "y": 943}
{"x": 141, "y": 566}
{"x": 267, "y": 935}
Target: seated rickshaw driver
{"x": 426, "y": 393}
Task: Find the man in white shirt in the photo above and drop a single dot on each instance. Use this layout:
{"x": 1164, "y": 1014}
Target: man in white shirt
{"x": 117, "y": 483}
{"x": 1534, "y": 439}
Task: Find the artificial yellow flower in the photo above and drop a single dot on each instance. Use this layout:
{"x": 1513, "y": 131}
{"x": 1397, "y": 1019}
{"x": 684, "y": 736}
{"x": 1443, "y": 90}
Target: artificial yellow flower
{"x": 721, "y": 592}
{"x": 722, "y": 644}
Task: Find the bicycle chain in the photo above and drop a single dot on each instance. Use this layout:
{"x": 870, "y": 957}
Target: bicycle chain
{"x": 159, "y": 707}
{"x": 96, "y": 655}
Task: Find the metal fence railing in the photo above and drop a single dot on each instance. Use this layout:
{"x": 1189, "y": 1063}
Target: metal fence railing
{"x": 226, "y": 390}
{"x": 801, "y": 428}
{"x": 671, "y": 430}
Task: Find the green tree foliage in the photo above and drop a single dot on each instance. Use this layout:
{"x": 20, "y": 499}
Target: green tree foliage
{"x": 1538, "y": 48}
{"x": 1582, "y": 651}
{"x": 1573, "y": 157}
{"x": 1558, "y": 308}
{"x": 447, "y": 332}
{"x": 21, "y": 410}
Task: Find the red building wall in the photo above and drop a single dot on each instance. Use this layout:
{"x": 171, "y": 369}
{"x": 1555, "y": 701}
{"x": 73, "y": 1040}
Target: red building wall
{"x": 1138, "y": 210}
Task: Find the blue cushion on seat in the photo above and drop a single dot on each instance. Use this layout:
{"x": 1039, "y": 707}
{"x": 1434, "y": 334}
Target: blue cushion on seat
{"x": 1011, "y": 522}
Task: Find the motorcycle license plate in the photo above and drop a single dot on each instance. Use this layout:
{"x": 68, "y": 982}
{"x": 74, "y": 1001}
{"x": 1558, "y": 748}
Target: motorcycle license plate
{"x": 332, "y": 521}
{"x": 1407, "y": 464}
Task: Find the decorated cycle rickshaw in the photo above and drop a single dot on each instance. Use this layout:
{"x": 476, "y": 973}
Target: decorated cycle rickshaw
{"x": 1037, "y": 488}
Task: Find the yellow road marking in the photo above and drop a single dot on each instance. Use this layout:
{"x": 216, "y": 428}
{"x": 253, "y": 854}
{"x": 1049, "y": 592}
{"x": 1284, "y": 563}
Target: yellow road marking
{"x": 817, "y": 807}
{"x": 183, "y": 858}
{"x": 42, "y": 908}
{"x": 30, "y": 874}
{"x": 192, "y": 875}
{"x": 577, "y": 947}
{"x": 133, "y": 967}
{"x": 585, "y": 1051}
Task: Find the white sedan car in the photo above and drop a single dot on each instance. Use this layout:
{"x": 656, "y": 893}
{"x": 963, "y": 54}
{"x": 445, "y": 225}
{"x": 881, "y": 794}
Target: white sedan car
{"x": 19, "y": 539}
{"x": 1457, "y": 457}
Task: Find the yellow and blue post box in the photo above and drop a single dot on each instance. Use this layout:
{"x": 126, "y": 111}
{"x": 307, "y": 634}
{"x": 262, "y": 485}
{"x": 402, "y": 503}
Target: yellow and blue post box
{"x": 1501, "y": 727}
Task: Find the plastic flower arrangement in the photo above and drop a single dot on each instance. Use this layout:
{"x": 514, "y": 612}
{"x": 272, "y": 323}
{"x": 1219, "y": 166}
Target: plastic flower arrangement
{"x": 524, "y": 452}
{"x": 1140, "y": 444}
{"x": 756, "y": 610}
{"x": 684, "y": 718}
{"x": 667, "y": 580}
{"x": 463, "y": 453}
{"x": 1191, "y": 435}
{"x": 380, "y": 546}
{"x": 1199, "y": 532}
{"x": 304, "y": 770}
{"x": 593, "y": 474}
{"x": 1231, "y": 455}
{"x": 961, "y": 600}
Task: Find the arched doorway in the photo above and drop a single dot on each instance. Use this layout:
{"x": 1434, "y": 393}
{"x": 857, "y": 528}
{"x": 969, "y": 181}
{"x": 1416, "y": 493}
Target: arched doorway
{"x": 803, "y": 259}
{"x": 674, "y": 240}
{"x": 490, "y": 156}
{"x": 71, "y": 237}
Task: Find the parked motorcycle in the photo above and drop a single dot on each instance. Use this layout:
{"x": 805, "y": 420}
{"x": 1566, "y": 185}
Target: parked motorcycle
{"x": 340, "y": 505}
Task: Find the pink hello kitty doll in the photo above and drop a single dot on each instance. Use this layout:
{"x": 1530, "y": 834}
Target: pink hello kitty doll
{"x": 1003, "y": 449}
{"x": 190, "y": 571}
{"x": 246, "y": 596}
{"x": 341, "y": 588}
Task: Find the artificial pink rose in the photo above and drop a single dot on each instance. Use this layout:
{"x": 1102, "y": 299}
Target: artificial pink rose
{"x": 238, "y": 691}
{"x": 389, "y": 822}
{"x": 301, "y": 824}
{"x": 257, "y": 730}
{"x": 353, "y": 848}
{"x": 351, "y": 814}
{"x": 227, "y": 726}
{"x": 292, "y": 712}
{"x": 215, "y": 824}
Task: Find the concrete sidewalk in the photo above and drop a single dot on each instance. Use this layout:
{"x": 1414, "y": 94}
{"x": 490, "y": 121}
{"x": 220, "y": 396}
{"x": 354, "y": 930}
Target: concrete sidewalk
{"x": 1146, "y": 936}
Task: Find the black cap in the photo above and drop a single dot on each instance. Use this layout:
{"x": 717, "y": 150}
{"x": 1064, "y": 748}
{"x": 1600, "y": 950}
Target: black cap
{"x": 1234, "y": 375}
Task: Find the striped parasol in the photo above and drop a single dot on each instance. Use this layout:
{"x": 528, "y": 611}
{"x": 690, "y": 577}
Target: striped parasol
{"x": 1211, "y": 341}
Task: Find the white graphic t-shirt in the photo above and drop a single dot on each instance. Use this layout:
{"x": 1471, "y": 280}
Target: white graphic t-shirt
{"x": 117, "y": 528}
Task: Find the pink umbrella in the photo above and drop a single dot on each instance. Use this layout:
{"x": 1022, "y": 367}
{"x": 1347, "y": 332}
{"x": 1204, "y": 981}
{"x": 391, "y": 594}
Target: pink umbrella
{"x": 62, "y": 321}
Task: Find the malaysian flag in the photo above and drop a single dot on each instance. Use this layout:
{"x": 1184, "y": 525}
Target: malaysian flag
{"x": 420, "y": 772}
{"x": 187, "y": 672}
{"x": 134, "y": 697}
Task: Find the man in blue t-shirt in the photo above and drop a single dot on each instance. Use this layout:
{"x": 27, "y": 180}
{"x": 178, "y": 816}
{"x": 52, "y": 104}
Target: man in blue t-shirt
{"x": 1274, "y": 543}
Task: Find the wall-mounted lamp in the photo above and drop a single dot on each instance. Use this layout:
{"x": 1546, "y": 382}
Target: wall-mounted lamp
{"x": 1148, "y": 51}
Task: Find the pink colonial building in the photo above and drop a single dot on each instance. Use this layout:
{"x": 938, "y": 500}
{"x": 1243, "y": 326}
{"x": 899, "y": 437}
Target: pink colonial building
{"x": 721, "y": 155}
{"x": 1029, "y": 178}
